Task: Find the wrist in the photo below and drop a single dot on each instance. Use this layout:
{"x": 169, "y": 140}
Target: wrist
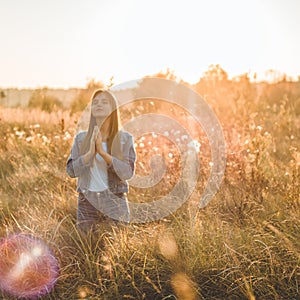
{"x": 107, "y": 157}
{"x": 101, "y": 152}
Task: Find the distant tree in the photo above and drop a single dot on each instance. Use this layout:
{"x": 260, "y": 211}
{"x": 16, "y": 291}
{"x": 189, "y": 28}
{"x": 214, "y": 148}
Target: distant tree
{"x": 168, "y": 74}
{"x": 215, "y": 74}
{"x": 93, "y": 84}
{"x": 214, "y": 82}
{"x": 274, "y": 76}
{"x": 40, "y": 99}
{"x": 2, "y": 96}
{"x": 81, "y": 101}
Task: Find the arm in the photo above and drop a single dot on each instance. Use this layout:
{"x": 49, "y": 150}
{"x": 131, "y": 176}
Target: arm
{"x": 76, "y": 163}
{"x": 124, "y": 167}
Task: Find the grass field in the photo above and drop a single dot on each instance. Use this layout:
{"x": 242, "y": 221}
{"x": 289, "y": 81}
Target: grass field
{"x": 244, "y": 245}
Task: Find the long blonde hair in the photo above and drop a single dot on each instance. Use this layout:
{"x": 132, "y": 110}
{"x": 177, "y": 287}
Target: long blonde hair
{"x": 113, "y": 128}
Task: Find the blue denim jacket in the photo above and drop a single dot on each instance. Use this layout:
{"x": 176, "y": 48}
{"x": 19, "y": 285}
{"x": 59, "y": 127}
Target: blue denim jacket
{"x": 119, "y": 171}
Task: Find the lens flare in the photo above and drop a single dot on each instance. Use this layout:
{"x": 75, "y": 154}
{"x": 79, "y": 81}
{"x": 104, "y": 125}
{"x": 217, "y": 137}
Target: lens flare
{"x": 179, "y": 129}
{"x": 28, "y": 268}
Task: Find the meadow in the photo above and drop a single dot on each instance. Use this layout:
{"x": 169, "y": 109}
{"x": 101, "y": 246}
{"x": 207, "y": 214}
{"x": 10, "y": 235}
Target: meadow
{"x": 245, "y": 244}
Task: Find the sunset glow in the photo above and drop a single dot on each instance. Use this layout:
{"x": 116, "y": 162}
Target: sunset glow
{"x": 66, "y": 43}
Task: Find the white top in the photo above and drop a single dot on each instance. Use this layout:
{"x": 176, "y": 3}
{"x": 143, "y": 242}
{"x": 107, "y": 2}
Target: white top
{"x": 99, "y": 178}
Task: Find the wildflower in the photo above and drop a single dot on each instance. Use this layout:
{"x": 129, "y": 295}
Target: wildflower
{"x": 194, "y": 144}
{"x": 67, "y": 135}
{"x": 184, "y": 137}
{"x": 45, "y": 140}
{"x": 20, "y": 134}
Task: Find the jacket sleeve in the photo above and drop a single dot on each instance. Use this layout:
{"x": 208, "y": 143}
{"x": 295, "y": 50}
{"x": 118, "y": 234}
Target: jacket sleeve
{"x": 75, "y": 166}
{"x": 125, "y": 167}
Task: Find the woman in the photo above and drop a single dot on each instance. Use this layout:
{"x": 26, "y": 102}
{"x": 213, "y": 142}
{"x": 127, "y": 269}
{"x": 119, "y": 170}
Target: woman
{"x": 103, "y": 159}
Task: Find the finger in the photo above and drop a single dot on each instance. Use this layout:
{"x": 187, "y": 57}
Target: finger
{"x": 95, "y": 133}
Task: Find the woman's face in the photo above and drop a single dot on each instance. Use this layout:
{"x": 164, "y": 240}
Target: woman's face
{"x": 101, "y": 105}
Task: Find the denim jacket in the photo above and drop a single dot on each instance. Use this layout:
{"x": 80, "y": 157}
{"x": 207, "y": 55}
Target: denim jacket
{"x": 119, "y": 171}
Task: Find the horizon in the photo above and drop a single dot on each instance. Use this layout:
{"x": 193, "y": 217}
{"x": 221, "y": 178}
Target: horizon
{"x": 277, "y": 76}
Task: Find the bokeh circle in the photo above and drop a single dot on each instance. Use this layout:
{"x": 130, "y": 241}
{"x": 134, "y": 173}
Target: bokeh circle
{"x": 28, "y": 268}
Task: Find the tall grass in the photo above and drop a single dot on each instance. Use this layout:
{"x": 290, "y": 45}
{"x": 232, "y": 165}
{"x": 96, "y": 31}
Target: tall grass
{"x": 244, "y": 245}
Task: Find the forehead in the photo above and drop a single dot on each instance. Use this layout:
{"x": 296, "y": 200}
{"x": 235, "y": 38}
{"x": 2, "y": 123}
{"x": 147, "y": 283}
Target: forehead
{"x": 103, "y": 96}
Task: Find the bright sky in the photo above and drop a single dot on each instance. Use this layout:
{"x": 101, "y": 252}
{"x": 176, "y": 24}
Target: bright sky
{"x": 64, "y": 43}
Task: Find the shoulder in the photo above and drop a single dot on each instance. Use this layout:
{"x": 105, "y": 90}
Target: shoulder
{"x": 80, "y": 136}
{"x": 125, "y": 136}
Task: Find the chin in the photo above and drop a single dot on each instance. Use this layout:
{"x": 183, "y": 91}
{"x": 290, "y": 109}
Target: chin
{"x": 99, "y": 115}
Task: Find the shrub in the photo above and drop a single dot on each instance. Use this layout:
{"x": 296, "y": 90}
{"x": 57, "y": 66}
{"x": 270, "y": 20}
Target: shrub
{"x": 40, "y": 99}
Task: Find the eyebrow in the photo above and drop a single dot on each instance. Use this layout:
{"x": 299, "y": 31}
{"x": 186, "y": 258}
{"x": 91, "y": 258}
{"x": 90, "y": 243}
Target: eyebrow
{"x": 102, "y": 99}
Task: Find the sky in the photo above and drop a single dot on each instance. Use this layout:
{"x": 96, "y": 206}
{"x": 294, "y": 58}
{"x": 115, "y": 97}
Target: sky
{"x": 66, "y": 43}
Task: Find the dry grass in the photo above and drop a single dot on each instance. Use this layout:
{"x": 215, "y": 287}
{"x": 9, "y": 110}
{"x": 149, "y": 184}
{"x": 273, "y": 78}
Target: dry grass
{"x": 244, "y": 245}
